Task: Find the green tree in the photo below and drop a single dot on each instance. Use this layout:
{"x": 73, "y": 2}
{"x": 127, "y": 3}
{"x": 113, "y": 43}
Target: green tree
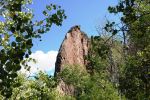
{"x": 135, "y": 29}
{"x": 88, "y": 87}
{"x": 40, "y": 87}
{"x": 17, "y": 30}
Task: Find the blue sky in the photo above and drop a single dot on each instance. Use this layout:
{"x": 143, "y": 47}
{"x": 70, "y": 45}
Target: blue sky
{"x": 87, "y": 13}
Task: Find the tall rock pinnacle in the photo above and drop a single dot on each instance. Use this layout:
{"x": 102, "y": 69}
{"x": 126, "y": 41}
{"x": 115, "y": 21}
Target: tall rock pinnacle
{"x": 73, "y": 49}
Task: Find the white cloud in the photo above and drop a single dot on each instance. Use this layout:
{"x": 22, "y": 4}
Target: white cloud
{"x": 44, "y": 62}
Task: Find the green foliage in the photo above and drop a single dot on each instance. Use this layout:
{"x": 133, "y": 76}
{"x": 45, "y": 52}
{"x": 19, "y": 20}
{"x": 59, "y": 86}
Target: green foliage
{"x": 73, "y": 74}
{"x": 113, "y": 70}
{"x": 95, "y": 84}
{"x": 17, "y": 31}
{"x": 105, "y": 56}
{"x": 42, "y": 87}
{"x": 134, "y": 78}
{"x": 97, "y": 56}
{"x": 88, "y": 87}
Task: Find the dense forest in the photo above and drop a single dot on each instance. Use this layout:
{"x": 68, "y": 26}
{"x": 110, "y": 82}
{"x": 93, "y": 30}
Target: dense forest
{"x": 118, "y": 68}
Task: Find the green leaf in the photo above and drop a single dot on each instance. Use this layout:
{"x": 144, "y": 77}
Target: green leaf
{"x": 115, "y": 32}
{"x": 54, "y": 6}
{"x": 18, "y": 39}
{"x": 13, "y": 44}
{"x": 48, "y": 7}
{"x": 45, "y": 13}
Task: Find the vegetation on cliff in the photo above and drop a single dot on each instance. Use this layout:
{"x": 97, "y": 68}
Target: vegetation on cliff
{"x": 116, "y": 68}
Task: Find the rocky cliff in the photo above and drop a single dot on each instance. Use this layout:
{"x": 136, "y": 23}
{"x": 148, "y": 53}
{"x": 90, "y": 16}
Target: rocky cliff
{"x": 73, "y": 50}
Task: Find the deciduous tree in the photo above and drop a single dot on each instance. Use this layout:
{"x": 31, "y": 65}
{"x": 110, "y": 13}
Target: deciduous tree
{"x": 17, "y": 31}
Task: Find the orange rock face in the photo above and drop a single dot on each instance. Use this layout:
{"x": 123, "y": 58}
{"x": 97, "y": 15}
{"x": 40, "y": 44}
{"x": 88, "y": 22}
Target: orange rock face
{"x": 73, "y": 49}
